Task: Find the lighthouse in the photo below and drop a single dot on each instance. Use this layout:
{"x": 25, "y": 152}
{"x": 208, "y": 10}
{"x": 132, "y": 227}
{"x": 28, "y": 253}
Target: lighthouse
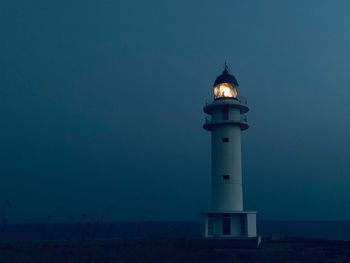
{"x": 226, "y": 121}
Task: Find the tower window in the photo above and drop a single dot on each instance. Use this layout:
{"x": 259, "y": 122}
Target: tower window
{"x": 225, "y": 139}
{"x": 225, "y": 114}
{"x": 226, "y": 177}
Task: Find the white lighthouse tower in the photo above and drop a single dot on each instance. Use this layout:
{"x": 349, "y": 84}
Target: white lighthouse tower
{"x": 227, "y": 218}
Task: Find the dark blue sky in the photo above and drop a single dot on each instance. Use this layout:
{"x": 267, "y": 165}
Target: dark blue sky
{"x": 101, "y": 103}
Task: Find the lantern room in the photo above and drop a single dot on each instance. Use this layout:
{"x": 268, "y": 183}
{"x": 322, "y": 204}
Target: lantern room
{"x": 225, "y": 86}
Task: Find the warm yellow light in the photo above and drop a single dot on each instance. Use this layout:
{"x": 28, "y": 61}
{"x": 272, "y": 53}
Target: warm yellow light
{"x": 225, "y": 90}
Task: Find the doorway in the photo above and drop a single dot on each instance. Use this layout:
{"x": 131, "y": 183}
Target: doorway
{"x": 226, "y": 225}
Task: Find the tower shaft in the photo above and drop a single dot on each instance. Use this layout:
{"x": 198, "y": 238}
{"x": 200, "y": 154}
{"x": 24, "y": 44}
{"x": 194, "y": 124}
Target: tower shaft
{"x": 226, "y": 163}
{"x": 226, "y": 172}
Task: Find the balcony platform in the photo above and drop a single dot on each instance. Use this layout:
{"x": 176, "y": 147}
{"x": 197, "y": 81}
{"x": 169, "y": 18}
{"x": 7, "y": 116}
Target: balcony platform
{"x": 242, "y": 123}
{"x": 238, "y": 103}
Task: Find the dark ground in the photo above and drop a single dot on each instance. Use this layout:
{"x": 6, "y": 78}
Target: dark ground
{"x": 173, "y": 250}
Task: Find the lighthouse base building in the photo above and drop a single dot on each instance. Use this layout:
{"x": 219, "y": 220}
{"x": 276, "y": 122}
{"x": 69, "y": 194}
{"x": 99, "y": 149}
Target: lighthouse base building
{"x": 235, "y": 224}
{"x": 227, "y": 220}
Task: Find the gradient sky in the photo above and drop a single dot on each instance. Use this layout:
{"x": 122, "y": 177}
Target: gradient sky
{"x": 101, "y": 103}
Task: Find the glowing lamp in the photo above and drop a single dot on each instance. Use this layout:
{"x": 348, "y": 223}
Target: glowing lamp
{"x": 225, "y": 90}
{"x": 225, "y": 86}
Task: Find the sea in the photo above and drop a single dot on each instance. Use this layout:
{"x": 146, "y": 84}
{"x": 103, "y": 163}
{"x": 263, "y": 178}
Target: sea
{"x": 333, "y": 230}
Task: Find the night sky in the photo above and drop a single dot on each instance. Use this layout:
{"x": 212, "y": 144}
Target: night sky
{"x": 101, "y": 103}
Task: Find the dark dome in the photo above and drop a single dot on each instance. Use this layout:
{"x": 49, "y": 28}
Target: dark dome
{"x": 226, "y": 77}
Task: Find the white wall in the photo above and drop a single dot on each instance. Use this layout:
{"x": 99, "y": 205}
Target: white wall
{"x": 251, "y": 225}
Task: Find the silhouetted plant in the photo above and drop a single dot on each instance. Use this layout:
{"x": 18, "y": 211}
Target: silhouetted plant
{"x": 89, "y": 226}
{"x": 3, "y": 211}
{"x": 147, "y": 213}
{"x": 53, "y": 230}
{"x": 3, "y": 214}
